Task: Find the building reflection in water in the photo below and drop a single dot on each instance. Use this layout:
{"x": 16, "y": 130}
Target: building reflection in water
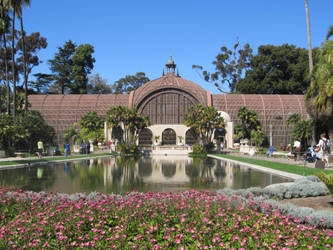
{"x": 189, "y": 172}
{"x": 157, "y": 174}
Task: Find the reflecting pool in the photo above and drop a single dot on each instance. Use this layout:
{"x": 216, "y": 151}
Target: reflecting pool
{"x": 119, "y": 175}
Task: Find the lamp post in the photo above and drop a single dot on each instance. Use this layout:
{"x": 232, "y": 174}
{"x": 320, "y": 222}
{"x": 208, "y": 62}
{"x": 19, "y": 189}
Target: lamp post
{"x": 270, "y": 134}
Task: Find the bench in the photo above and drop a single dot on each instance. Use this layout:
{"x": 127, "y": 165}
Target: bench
{"x": 20, "y": 154}
{"x": 286, "y": 155}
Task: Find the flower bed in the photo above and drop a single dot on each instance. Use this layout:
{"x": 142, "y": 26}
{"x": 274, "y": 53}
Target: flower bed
{"x": 190, "y": 219}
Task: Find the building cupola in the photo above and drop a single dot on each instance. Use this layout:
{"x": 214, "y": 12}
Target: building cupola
{"x": 171, "y": 66}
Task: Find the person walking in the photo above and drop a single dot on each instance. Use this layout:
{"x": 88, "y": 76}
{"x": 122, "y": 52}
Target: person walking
{"x": 297, "y": 149}
{"x": 323, "y": 148}
{"x": 67, "y": 149}
{"x": 40, "y": 147}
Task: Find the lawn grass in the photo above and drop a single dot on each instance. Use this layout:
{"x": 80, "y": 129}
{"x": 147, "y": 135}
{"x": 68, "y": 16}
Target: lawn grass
{"x": 289, "y": 168}
{"x": 51, "y": 159}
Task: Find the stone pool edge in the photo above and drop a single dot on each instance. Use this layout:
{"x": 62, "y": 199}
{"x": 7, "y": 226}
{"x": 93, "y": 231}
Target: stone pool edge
{"x": 268, "y": 170}
{"x": 55, "y": 161}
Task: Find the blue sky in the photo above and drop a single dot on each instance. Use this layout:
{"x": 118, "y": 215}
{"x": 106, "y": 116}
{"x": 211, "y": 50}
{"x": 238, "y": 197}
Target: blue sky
{"x": 132, "y": 36}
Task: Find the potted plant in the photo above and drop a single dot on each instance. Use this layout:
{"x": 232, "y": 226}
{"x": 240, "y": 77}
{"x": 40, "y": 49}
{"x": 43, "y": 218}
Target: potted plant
{"x": 180, "y": 140}
{"x": 156, "y": 139}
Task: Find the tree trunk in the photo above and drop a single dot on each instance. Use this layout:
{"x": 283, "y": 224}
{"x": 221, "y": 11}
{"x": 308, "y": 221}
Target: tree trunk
{"x": 309, "y": 35}
{"x": 24, "y": 68}
{"x": 6, "y": 73}
{"x": 13, "y": 60}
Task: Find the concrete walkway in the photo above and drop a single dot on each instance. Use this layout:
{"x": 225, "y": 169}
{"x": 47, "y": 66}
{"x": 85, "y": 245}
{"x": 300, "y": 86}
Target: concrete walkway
{"x": 13, "y": 159}
{"x": 260, "y": 168}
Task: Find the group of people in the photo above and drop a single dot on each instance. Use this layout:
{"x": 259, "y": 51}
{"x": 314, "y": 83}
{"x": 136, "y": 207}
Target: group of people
{"x": 319, "y": 151}
{"x": 56, "y": 151}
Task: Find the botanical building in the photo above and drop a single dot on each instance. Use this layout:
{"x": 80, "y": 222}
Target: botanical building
{"x": 165, "y": 101}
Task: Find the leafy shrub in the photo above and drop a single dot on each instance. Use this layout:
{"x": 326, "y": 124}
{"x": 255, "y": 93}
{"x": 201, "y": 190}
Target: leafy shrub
{"x": 197, "y": 149}
{"x": 128, "y": 149}
{"x": 328, "y": 180}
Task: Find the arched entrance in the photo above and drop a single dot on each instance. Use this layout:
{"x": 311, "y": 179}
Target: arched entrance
{"x": 145, "y": 137}
{"x": 169, "y": 137}
{"x": 117, "y": 133}
{"x": 191, "y": 136}
{"x": 219, "y": 136}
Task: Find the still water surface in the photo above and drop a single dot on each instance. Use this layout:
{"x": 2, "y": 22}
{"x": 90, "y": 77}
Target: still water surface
{"x": 119, "y": 175}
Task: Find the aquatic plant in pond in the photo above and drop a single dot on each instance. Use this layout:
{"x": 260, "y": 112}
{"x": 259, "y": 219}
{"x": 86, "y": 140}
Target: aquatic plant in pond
{"x": 189, "y": 219}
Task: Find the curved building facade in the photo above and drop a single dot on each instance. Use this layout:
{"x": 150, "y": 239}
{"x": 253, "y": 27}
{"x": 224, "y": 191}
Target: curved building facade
{"x": 165, "y": 101}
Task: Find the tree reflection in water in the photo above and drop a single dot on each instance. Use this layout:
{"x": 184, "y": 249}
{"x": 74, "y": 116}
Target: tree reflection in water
{"x": 120, "y": 175}
{"x": 29, "y": 178}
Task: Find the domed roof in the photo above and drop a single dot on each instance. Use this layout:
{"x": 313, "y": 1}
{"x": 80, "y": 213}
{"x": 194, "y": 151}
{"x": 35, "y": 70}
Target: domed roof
{"x": 169, "y": 82}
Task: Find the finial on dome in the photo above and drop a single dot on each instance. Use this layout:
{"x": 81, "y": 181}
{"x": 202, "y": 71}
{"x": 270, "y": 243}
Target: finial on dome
{"x": 171, "y": 66}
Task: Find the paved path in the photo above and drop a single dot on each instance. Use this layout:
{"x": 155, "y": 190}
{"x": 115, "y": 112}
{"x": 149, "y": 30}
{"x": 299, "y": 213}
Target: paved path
{"x": 274, "y": 159}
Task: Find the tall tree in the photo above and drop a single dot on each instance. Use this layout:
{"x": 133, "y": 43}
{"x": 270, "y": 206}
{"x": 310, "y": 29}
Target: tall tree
{"x": 320, "y": 92}
{"x": 83, "y": 63}
{"x": 130, "y": 82}
{"x": 276, "y": 70}
{"x": 12, "y": 4}
{"x": 41, "y": 83}
{"x": 329, "y": 33}
{"x": 230, "y": 66}
{"x": 5, "y": 23}
{"x": 309, "y": 35}
{"x": 98, "y": 85}
{"x": 33, "y": 43}
{"x": 19, "y": 7}
{"x": 61, "y": 67}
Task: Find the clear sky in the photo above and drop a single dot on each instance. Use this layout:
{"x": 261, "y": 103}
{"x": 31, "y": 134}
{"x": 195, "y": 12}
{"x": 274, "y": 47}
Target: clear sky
{"x": 132, "y": 36}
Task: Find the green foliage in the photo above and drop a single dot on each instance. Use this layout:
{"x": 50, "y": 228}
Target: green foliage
{"x": 276, "y": 70}
{"x": 128, "y": 149}
{"x": 61, "y": 67}
{"x": 83, "y": 63}
{"x": 98, "y": 85}
{"x": 33, "y": 44}
{"x": 293, "y": 119}
{"x": 327, "y": 179}
{"x": 150, "y": 220}
{"x": 257, "y": 137}
{"x": 250, "y": 127}
{"x": 301, "y": 129}
{"x": 6, "y": 130}
{"x": 23, "y": 131}
{"x": 30, "y": 128}
{"x": 230, "y": 66}
{"x": 92, "y": 121}
{"x": 205, "y": 120}
{"x": 197, "y": 149}
{"x": 129, "y": 120}
{"x": 41, "y": 83}
{"x": 72, "y": 135}
{"x": 130, "y": 82}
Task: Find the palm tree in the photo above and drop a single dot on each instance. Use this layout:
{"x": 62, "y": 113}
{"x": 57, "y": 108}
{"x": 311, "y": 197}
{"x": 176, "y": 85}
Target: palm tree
{"x": 320, "y": 92}
{"x": 11, "y": 4}
{"x": 16, "y": 7}
{"x": 20, "y": 4}
{"x": 329, "y": 33}
{"x": 4, "y": 29}
{"x": 309, "y": 35}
